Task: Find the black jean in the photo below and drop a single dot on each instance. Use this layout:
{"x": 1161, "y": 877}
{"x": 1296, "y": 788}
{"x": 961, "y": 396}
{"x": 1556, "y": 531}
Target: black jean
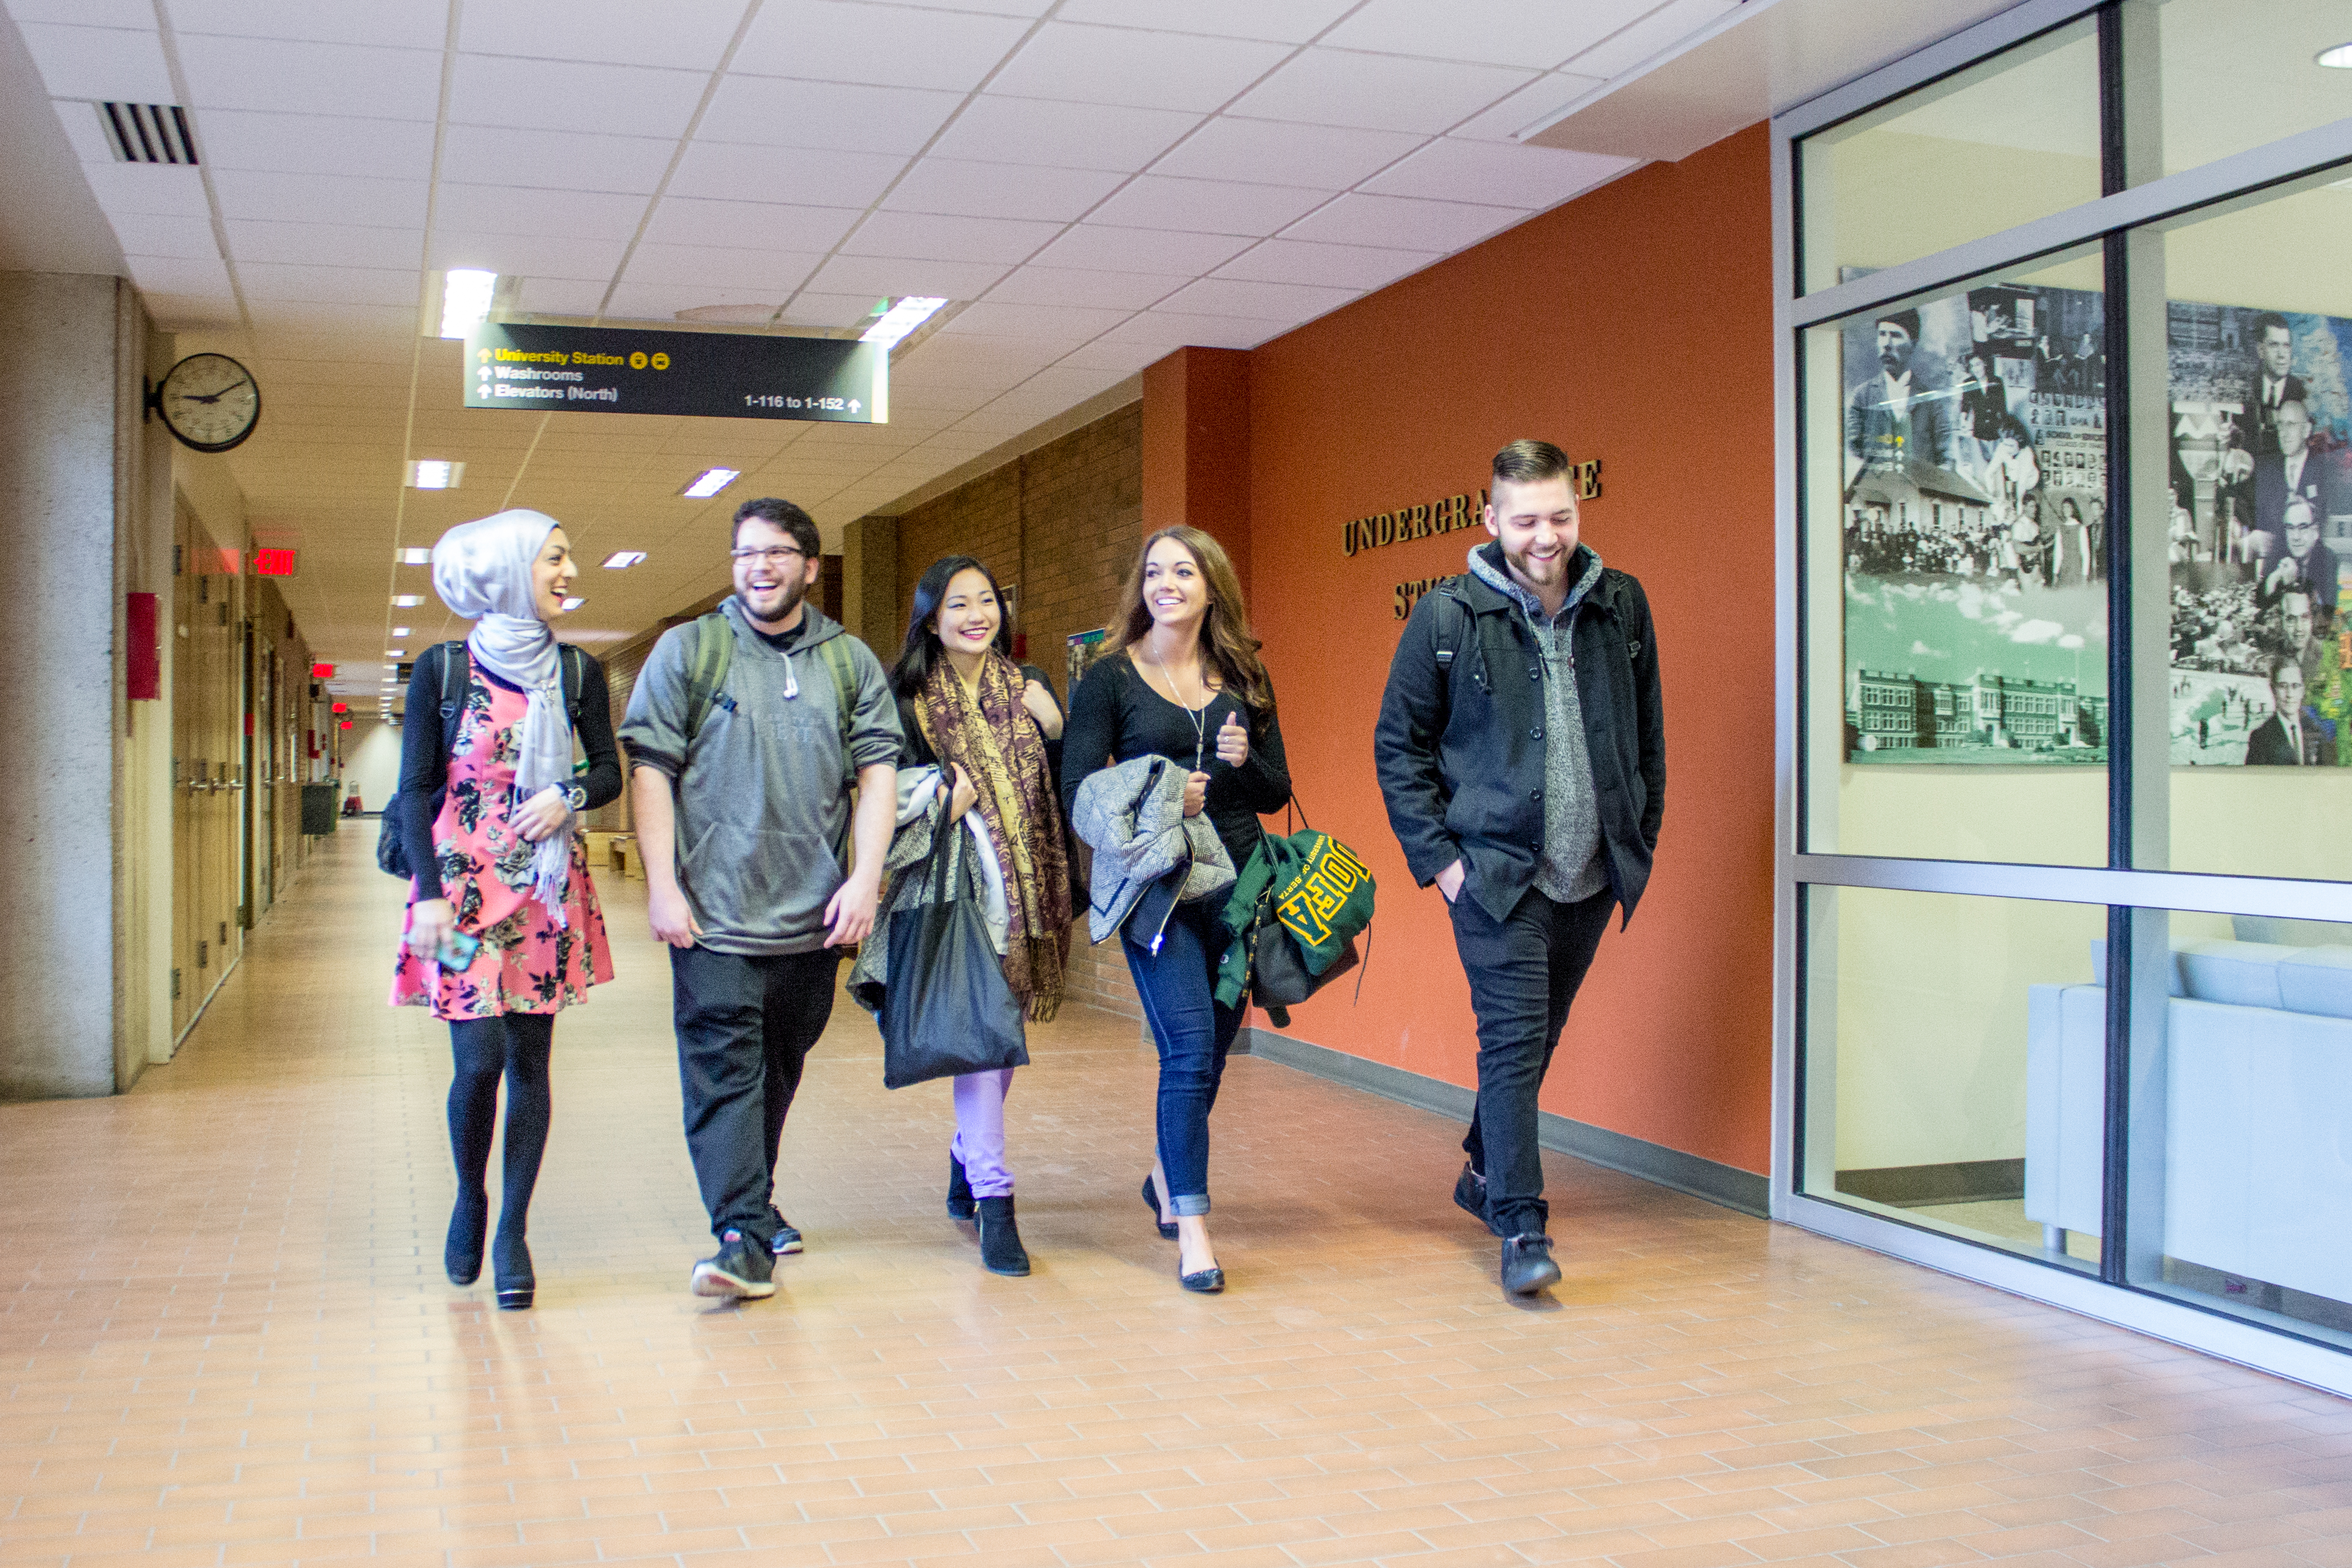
{"x": 1178, "y": 986}
{"x": 1524, "y": 973}
{"x": 744, "y": 1029}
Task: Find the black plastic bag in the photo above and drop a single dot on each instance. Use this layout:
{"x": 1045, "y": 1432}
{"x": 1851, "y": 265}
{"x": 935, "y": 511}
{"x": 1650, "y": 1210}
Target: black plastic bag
{"x": 946, "y": 1009}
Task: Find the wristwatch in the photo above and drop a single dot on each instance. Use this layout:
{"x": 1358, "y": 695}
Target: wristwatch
{"x": 576, "y": 796}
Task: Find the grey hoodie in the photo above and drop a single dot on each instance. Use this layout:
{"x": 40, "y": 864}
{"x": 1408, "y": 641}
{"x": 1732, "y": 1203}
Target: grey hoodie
{"x": 761, "y": 803}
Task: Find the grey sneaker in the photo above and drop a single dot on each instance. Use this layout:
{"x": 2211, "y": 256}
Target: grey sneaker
{"x": 788, "y": 1236}
{"x": 1527, "y": 1264}
{"x": 742, "y": 1269}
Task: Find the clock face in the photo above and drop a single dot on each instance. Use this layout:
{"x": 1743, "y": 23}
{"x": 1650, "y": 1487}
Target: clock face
{"x": 210, "y": 402}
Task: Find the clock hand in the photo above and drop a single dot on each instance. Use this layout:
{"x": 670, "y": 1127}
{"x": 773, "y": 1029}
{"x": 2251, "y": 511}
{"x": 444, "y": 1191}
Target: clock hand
{"x": 198, "y": 397}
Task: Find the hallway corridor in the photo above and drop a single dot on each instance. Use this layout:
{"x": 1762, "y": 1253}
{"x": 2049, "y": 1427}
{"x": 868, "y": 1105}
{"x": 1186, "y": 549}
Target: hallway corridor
{"x": 225, "y": 1337}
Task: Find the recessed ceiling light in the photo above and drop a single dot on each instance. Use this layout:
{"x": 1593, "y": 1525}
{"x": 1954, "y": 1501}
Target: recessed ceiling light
{"x": 396, "y": 652}
{"x": 407, "y": 600}
{"x": 621, "y": 559}
{"x": 573, "y": 603}
{"x": 2337, "y": 58}
{"x": 434, "y": 474}
{"x": 711, "y": 482}
{"x": 903, "y": 316}
{"x": 415, "y": 555}
{"x": 466, "y": 300}
{"x": 400, "y": 630}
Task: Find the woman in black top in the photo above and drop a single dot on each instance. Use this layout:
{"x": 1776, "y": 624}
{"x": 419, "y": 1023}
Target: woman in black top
{"x": 995, "y": 728}
{"x": 1181, "y": 678}
{"x": 503, "y": 926}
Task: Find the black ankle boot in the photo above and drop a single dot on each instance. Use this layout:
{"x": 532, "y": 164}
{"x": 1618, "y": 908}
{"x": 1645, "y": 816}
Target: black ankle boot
{"x": 469, "y": 1222}
{"x": 959, "y": 1189}
{"x": 1000, "y": 1237}
{"x": 515, "y": 1283}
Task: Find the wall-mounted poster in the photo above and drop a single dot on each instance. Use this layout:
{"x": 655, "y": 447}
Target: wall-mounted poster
{"x": 1974, "y": 519}
{"x": 2260, "y": 533}
{"x": 1084, "y": 648}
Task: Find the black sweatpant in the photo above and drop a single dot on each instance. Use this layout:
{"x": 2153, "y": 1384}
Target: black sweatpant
{"x": 1524, "y": 972}
{"x": 744, "y": 1029}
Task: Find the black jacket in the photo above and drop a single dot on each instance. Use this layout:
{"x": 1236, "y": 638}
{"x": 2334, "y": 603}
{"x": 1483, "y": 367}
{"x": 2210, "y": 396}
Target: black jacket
{"x": 1460, "y": 748}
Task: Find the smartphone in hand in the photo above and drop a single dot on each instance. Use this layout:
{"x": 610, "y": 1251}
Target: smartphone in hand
{"x": 456, "y": 951}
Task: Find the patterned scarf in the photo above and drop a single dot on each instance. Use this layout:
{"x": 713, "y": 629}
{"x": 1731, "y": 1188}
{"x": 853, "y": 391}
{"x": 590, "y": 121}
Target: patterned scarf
{"x": 988, "y": 733}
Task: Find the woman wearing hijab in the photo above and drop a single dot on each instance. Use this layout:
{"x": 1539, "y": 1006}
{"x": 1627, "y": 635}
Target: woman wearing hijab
{"x": 487, "y": 803}
{"x": 994, "y": 728}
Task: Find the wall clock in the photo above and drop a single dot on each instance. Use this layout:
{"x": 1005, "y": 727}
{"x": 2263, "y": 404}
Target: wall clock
{"x": 208, "y": 401}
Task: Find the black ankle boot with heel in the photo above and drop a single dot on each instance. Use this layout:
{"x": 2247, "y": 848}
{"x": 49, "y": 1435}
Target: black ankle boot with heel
{"x": 960, "y": 1199}
{"x": 516, "y": 1285}
{"x": 1000, "y": 1238}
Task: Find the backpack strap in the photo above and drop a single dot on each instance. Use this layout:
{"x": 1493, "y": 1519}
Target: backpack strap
{"x": 714, "y": 651}
{"x": 456, "y": 675}
{"x": 1453, "y": 633}
{"x": 573, "y": 664}
{"x": 833, "y": 653}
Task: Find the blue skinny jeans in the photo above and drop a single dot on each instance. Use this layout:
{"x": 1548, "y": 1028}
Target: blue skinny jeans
{"x": 1179, "y": 988}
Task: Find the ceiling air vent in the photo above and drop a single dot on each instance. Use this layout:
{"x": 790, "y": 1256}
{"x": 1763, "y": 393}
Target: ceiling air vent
{"x": 147, "y": 132}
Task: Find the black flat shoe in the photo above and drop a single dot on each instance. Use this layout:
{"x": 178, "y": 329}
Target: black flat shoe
{"x": 461, "y": 1254}
{"x": 516, "y": 1284}
{"x": 1470, "y": 1197}
{"x": 1152, "y": 1199}
{"x": 960, "y": 1200}
{"x": 1207, "y": 1282}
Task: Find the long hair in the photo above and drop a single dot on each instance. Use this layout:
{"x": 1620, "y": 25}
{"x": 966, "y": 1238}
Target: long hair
{"x": 1225, "y": 639}
{"x": 922, "y": 649}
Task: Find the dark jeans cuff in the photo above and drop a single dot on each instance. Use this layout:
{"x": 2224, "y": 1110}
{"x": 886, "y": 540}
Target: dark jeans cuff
{"x": 1190, "y": 1204}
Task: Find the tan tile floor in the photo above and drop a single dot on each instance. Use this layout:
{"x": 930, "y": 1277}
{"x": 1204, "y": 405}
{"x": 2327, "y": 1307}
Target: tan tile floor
{"x": 225, "y": 1338}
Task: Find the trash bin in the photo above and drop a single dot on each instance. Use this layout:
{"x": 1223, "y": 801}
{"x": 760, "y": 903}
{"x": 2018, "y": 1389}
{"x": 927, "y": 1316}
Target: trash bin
{"x": 320, "y": 804}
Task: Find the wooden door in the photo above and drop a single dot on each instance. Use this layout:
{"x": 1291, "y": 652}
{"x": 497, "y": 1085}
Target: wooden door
{"x": 187, "y": 769}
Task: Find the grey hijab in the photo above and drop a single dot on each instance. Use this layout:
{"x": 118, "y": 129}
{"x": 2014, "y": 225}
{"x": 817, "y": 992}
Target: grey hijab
{"x": 482, "y": 571}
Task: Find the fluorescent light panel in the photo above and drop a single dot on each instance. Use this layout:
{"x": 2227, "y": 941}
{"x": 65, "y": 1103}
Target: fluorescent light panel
{"x": 466, "y": 300}
{"x": 903, "y": 316}
{"x": 622, "y": 559}
{"x": 711, "y": 482}
{"x": 573, "y": 603}
{"x": 400, "y": 630}
{"x": 396, "y": 652}
{"x": 407, "y": 600}
{"x": 434, "y": 474}
{"x": 415, "y": 554}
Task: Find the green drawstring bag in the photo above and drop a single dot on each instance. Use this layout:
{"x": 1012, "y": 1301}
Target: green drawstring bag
{"x": 1294, "y": 919}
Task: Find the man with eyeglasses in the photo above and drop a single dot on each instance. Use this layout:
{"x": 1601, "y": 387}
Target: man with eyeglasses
{"x": 745, "y": 729}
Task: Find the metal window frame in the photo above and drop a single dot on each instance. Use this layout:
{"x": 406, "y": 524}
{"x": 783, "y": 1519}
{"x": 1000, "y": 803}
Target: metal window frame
{"x": 2103, "y": 221}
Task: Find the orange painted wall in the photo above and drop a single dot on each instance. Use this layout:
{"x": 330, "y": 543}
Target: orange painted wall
{"x": 1633, "y": 326}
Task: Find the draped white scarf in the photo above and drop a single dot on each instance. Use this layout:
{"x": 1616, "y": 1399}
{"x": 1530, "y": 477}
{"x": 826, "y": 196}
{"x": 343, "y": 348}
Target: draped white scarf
{"x": 482, "y": 571}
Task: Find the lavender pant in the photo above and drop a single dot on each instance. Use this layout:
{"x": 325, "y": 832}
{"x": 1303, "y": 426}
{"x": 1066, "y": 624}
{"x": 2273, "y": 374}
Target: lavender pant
{"x": 980, "y": 1130}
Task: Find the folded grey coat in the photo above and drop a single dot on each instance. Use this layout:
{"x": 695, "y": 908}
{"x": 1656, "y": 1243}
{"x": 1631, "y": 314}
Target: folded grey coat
{"x": 1132, "y": 816}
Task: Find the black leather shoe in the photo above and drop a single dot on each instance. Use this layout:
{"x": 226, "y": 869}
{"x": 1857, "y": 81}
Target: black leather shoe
{"x": 1151, "y": 1198}
{"x": 1470, "y": 1197}
{"x": 959, "y": 1191}
{"x": 462, "y": 1253}
{"x": 515, "y": 1283}
{"x": 1000, "y": 1238}
{"x": 1527, "y": 1264}
{"x": 1207, "y": 1282}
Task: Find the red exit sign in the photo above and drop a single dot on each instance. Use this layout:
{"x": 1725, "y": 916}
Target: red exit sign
{"x": 273, "y": 563}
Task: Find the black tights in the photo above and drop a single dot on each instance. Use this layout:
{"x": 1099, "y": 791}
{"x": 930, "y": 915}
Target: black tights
{"x": 514, "y": 1047}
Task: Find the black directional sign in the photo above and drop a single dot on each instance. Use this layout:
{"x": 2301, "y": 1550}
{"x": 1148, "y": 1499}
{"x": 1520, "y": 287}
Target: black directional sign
{"x": 725, "y": 375}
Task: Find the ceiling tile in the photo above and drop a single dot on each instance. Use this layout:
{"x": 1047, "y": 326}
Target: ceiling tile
{"x": 774, "y": 273}
{"x": 526, "y": 255}
{"x": 1653, "y": 34}
{"x": 272, "y": 281}
{"x": 1285, "y": 302}
{"x": 1538, "y": 101}
{"x": 875, "y": 276}
{"x": 401, "y": 24}
{"x": 1333, "y": 265}
{"x": 1283, "y": 21}
{"x": 1393, "y": 221}
{"x": 310, "y": 317}
{"x": 560, "y": 295}
{"x": 750, "y": 226}
{"x": 91, "y": 145}
{"x": 564, "y": 95}
{"x": 1063, "y": 135}
{"x": 119, "y": 65}
{"x": 1165, "y": 333}
{"x": 138, "y": 14}
{"x": 886, "y": 45}
{"x": 736, "y": 172}
{"x": 765, "y": 112}
{"x": 1138, "y": 69}
{"x": 930, "y": 234}
{"x": 556, "y": 160}
{"x": 812, "y": 309}
{"x": 690, "y": 35}
{"x": 1073, "y": 286}
{"x": 1070, "y": 324}
{"x": 155, "y": 234}
{"x": 160, "y": 188}
{"x": 1502, "y": 173}
{"x": 299, "y": 198}
{"x": 315, "y": 143}
{"x": 1277, "y": 152}
{"x": 1000, "y": 190}
{"x": 1097, "y": 245}
{"x": 182, "y": 275}
{"x": 346, "y": 80}
{"x": 555, "y": 214}
{"x": 1494, "y": 32}
{"x": 1378, "y": 92}
{"x": 1206, "y": 206}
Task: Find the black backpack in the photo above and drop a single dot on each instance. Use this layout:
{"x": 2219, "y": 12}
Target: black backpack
{"x": 457, "y": 673}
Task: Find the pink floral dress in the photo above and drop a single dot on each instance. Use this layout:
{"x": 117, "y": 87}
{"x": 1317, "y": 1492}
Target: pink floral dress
{"x": 527, "y": 963}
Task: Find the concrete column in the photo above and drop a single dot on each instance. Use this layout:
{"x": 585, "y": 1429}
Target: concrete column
{"x": 1196, "y": 447}
{"x": 869, "y": 584}
{"x": 68, "y": 464}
